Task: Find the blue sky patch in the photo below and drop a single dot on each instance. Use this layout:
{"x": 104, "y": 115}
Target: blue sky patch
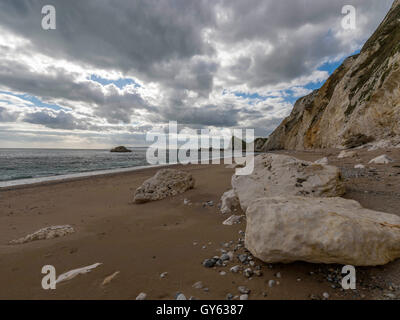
{"x": 34, "y": 100}
{"x": 120, "y": 83}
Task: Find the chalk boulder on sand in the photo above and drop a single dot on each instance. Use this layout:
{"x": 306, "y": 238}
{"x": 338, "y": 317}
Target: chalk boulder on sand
{"x": 45, "y": 234}
{"x": 229, "y": 202}
{"x": 383, "y": 159}
{"x": 166, "y": 183}
{"x": 321, "y": 230}
{"x": 276, "y": 175}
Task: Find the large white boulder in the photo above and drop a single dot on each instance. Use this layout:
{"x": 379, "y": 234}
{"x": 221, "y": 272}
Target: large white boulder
{"x": 321, "y": 230}
{"x": 229, "y": 202}
{"x": 166, "y": 183}
{"x": 383, "y": 159}
{"x": 276, "y": 175}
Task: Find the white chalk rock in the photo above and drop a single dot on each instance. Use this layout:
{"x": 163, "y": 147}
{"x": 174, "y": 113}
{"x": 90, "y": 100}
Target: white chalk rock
{"x": 141, "y": 296}
{"x": 359, "y": 166}
{"x": 347, "y": 154}
{"x": 166, "y": 183}
{"x": 45, "y": 234}
{"x": 322, "y": 161}
{"x": 383, "y": 159}
{"x": 321, "y": 230}
{"x": 276, "y": 175}
{"x": 234, "y": 219}
{"x": 75, "y": 272}
{"x": 229, "y": 202}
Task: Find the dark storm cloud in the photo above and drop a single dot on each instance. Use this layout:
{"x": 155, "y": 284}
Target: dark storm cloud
{"x": 55, "y": 120}
{"x": 175, "y": 44}
{"x": 299, "y": 33}
{"x": 121, "y": 34}
{"x": 206, "y": 115}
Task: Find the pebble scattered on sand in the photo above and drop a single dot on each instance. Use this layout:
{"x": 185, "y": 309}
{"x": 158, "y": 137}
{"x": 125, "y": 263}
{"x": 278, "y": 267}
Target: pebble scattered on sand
{"x": 243, "y": 290}
{"x": 209, "y": 263}
{"x": 244, "y": 297}
{"x": 141, "y": 296}
{"x": 163, "y": 275}
{"x": 271, "y": 283}
{"x": 180, "y": 296}
{"x": 235, "y": 269}
{"x": 198, "y": 285}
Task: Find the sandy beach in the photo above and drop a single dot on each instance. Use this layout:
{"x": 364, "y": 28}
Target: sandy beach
{"x": 144, "y": 241}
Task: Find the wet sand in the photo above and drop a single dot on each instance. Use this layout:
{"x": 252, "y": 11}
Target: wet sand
{"x": 143, "y": 241}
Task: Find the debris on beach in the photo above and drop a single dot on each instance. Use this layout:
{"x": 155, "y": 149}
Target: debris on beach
{"x": 45, "y": 234}
{"x": 110, "y": 278}
{"x": 75, "y": 272}
{"x": 141, "y": 296}
{"x": 383, "y": 159}
{"x": 234, "y": 219}
{"x": 347, "y": 154}
{"x": 322, "y": 161}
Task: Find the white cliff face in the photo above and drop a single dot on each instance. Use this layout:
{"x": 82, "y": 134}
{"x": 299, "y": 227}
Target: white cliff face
{"x": 321, "y": 230}
{"x": 276, "y": 175}
{"x": 359, "y": 103}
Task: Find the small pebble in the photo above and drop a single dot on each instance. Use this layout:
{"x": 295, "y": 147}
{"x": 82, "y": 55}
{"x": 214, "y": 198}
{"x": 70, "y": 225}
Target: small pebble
{"x": 271, "y": 283}
{"x": 141, "y": 296}
{"x": 248, "y": 272}
{"x": 244, "y": 297}
{"x": 325, "y": 295}
{"x": 243, "y": 290}
{"x": 163, "y": 275}
{"x": 222, "y": 273}
{"x": 235, "y": 269}
{"x": 229, "y": 296}
{"x": 198, "y": 285}
{"x": 209, "y": 263}
{"x": 180, "y": 296}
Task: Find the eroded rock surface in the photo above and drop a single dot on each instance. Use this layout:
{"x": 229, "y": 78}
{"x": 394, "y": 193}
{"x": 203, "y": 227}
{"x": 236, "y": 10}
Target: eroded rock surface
{"x": 166, "y": 183}
{"x": 45, "y": 234}
{"x": 321, "y": 230}
{"x": 276, "y": 175}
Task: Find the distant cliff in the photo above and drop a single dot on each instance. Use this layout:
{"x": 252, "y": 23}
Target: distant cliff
{"x": 360, "y": 101}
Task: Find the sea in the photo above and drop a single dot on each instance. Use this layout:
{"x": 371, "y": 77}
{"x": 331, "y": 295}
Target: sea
{"x": 27, "y": 166}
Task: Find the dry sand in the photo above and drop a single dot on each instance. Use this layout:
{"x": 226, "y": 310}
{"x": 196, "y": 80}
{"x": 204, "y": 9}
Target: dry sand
{"x": 143, "y": 241}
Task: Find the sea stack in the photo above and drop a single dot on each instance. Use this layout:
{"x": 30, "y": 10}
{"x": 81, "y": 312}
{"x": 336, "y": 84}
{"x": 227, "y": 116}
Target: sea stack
{"x": 120, "y": 149}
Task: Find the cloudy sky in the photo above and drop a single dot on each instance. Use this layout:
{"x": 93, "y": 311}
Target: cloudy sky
{"x": 113, "y": 70}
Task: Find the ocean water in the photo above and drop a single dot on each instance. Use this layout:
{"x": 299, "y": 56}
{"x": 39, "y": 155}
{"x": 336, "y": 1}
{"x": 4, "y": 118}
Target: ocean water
{"x": 26, "y": 164}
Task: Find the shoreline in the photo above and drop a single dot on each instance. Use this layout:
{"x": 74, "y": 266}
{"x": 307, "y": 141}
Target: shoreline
{"x": 30, "y": 182}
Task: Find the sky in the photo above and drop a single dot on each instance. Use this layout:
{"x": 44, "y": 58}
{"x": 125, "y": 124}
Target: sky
{"x": 112, "y": 71}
